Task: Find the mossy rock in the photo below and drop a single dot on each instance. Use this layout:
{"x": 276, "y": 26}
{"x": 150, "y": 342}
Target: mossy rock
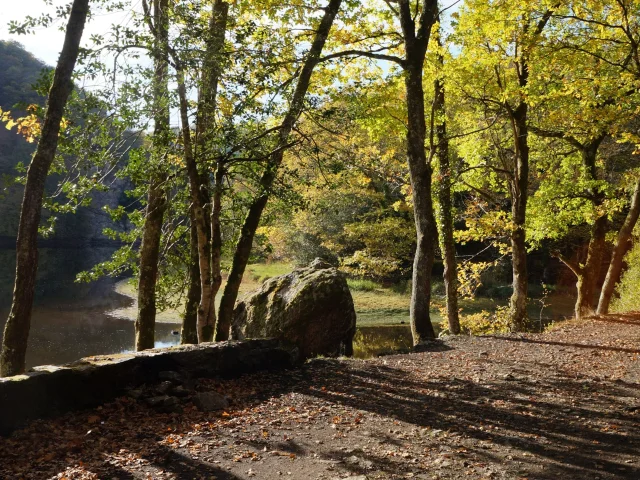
{"x": 310, "y": 307}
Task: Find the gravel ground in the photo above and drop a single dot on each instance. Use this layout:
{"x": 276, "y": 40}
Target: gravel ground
{"x": 560, "y": 405}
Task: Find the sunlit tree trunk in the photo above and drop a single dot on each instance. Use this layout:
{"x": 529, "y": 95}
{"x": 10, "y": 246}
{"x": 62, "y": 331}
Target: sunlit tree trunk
{"x": 206, "y": 210}
{"x": 156, "y": 195}
{"x": 416, "y": 41}
{"x": 16, "y": 332}
{"x": 252, "y": 220}
{"x": 519, "y": 185}
{"x": 622, "y": 246}
{"x": 445, "y": 214}
{"x": 189, "y": 331}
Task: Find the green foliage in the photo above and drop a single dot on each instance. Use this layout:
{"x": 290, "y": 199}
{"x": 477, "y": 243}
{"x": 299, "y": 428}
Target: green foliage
{"x": 627, "y": 289}
{"x": 485, "y": 322}
{"x": 362, "y": 285}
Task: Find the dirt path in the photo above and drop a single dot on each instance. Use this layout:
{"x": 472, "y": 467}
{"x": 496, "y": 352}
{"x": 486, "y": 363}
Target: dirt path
{"x": 562, "y": 405}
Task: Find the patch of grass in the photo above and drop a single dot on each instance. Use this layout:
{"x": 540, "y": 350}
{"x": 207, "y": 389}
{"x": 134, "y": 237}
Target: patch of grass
{"x": 362, "y": 285}
{"x": 258, "y": 273}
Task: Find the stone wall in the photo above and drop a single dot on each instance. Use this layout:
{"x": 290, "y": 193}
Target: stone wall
{"x": 50, "y": 390}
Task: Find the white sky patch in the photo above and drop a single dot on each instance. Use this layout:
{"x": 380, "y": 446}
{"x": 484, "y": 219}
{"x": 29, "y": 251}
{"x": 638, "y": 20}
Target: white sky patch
{"x": 46, "y": 43}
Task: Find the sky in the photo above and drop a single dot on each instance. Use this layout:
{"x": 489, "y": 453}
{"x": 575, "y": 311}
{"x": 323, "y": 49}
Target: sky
{"x": 46, "y": 43}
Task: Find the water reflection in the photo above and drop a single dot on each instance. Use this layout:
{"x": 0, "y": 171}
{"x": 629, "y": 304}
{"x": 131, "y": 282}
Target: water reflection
{"x": 64, "y": 332}
{"x": 372, "y": 341}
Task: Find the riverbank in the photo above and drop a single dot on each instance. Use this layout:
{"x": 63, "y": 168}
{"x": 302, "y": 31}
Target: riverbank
{"x": 563, "y": 404}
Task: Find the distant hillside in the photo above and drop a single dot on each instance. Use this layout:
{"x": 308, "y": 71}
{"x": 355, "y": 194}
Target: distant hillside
{"x": 19, "y": 70}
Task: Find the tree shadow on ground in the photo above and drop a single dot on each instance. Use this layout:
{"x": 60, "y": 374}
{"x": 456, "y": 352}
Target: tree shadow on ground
{"x": 565, "y": 344}
{"x": 560, "y": 424}
{"x": 574, "y": 442}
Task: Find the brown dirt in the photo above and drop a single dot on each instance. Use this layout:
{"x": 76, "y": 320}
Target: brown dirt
{"x": 560, "y": 405}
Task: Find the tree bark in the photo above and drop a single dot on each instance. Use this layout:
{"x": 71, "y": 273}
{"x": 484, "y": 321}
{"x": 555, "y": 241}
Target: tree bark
{"x": 207, "y": 225}
{"x": 149, "y": 259}
{"x": 16, "y": 332}
{"x": 587, "y": 280}
{"x": 156, "y": 196}
{"x": 189, "y": 331}
{"x": 519, "y": 188}
{"x": 519, "y": 196}
{"x": 252, "y": 220}
{"x": 623, "y": 244}
{"x": 447, "y": 242}
{"x": 416, "y": 41}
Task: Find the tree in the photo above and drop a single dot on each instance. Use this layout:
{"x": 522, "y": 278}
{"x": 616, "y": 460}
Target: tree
{"x": 444, "y": 204}
{"x": 499, "y": 43}
{"x": 584, "y": 98}
{"x": 16, "y": 333}
{"x": 156, "y": 195}
{"x": 416, "y": 40}
{"x": 208, "y": 230}
{"x": 621, "y": 247}
{"x": 252, "y": 219}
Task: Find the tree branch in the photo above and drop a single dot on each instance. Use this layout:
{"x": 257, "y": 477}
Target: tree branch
{"x": 363, "y": 53}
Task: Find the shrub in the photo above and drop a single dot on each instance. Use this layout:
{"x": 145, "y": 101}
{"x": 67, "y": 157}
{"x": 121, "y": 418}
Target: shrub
{"x": 486, "y": 323}
{"x": 629, "y": 285}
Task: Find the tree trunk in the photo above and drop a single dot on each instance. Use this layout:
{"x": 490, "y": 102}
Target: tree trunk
{"x": 623, "y": 243}
{"x": 588, "y": 279}
{"x": 149, "y": 259}
{"x": 518, "y": 303}
{"x": 156, "y": 197}
{"x": 416, "y": 43}
{"x": 591, "y": 270}
{"x": 206, "y": 226}
{"x": 198, "y": 202}
{"x": 16, "y": 332}
{"x": 216, "y": 231}
{"x": 447, "y": 242}
{"x": 519, "y": 187}
{"x": 426, "y": 233}
{"x": 252, "y": 220}
{"x": 189, "y": 331}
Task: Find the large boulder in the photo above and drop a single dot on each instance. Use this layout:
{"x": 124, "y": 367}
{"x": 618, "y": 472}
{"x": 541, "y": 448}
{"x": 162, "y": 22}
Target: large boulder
{"x": 310, "y": 307}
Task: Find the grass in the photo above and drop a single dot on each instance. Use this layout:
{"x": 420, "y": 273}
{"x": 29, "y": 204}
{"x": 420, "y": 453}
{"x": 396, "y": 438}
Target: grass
{"x": 362, "y": 285}
{"x": 258, "y": 273}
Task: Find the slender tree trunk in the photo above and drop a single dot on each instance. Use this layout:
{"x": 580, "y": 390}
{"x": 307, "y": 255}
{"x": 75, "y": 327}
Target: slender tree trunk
{"x": 16, "y": 332}
{"x": 623, "y": 243}
{"x": 426, "y": 230}
{"x": 586, "y": 284}
{"x": 156, "y": 196}
{"x": 198, "y": 202}
{"x": 416, "y": 41}
{"x": 518, "y": 303}
{"x": 216, "y": 231}
{"x": 252, "y": 220}
{"x": 149, "y": 259}
{"x": 189, "y": 332}
{"x": 519, "y": 186}
{"x": 207, "y": 225}
{"x": 447, "y": 242}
